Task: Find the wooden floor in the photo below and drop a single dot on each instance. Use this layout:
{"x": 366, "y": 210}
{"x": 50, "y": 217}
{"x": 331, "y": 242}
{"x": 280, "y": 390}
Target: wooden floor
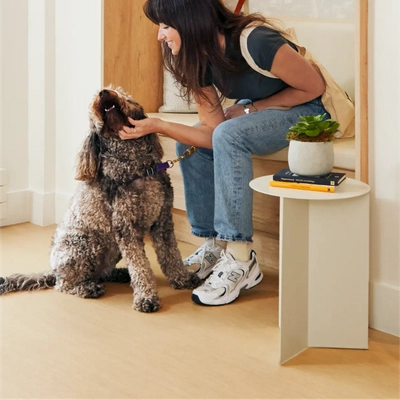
{"x": 56, "y": 346}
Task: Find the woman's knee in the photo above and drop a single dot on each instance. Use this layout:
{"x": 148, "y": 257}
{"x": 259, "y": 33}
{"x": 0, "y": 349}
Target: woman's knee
{"x": 224, "y": 135}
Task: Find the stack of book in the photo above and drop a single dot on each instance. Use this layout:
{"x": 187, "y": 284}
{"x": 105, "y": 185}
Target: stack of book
{"x": 326, "y": 183}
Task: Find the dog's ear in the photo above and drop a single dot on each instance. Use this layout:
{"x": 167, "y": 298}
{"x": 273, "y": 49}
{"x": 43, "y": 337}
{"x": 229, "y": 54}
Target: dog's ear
{"x": 136, "y": 111}
{"x": 88, "y": 162}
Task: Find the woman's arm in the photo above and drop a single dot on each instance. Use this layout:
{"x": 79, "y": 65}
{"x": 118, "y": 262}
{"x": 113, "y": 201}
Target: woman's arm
{"x": 200, "y": 136}
{"x": 305, "y": 82}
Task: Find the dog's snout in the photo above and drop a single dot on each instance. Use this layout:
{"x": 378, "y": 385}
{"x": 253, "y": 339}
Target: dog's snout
{"x": 104, "y": 92}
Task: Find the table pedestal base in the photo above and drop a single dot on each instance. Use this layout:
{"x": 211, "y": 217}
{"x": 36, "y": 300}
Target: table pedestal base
{"x": 324, "y": 274}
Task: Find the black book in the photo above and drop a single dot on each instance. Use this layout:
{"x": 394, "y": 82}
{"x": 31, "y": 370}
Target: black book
{"x": 331, "y": 179}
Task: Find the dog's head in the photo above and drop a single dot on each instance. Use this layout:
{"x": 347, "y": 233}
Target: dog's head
{"x": 108, "y": 113}
{"x": 110, "y": 109}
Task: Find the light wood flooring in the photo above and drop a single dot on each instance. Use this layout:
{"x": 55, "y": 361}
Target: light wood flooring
{"x": 56, "y": 346}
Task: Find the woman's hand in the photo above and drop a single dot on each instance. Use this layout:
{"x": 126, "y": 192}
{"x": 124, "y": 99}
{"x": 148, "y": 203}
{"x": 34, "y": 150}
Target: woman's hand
{"x": 140, "y": 128}
{"x": 236, "y": 110}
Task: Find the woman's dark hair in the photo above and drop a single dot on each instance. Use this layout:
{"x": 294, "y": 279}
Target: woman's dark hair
{"x": 198, "y": 23}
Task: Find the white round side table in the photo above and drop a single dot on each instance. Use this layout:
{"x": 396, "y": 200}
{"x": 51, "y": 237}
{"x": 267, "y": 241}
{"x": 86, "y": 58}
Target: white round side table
{"x": 323, "y": 266}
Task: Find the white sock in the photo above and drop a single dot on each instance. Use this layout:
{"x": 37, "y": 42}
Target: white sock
{"x": 211, "y": 241}
{"x": 239, "y": 250}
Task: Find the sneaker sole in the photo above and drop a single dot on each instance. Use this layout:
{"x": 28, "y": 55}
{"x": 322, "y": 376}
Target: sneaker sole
{"x": 233, "y": 295}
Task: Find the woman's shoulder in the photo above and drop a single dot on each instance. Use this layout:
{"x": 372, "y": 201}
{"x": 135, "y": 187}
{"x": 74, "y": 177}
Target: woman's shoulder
{"x": 259, "y": 44}
{"x": 263, "y": 39}
{"x": 263, "y": 34}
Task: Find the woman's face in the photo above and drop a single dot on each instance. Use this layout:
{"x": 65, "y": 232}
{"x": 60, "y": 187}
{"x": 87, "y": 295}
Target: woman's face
{"x": 171, "y": 37}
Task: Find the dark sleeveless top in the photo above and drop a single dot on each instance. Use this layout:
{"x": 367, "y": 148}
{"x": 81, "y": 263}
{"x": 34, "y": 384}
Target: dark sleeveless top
{"x": 262, "y": 43}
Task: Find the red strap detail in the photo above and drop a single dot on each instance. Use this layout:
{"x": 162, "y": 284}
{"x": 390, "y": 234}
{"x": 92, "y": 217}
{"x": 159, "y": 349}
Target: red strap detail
{"x": 239, "y": 6}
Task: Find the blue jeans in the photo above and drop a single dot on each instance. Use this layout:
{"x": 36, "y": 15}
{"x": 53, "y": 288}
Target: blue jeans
{"x": 219, "y": 200}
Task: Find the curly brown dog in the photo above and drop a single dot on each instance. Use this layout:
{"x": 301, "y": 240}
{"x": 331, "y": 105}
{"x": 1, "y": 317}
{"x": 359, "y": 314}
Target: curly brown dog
{"x": 123, "y": 196}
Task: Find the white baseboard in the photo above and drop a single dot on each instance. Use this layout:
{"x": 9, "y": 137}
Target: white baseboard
{"x": 38, "y": 208}
{"x": 384, "y": 307}
{"x": 43, "y": 208}
{"x": 3, "y": 210}
{"x": 17, "y": 208}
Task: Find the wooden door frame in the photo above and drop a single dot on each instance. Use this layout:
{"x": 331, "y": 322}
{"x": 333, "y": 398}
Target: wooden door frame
{"x": 361, "y": 90}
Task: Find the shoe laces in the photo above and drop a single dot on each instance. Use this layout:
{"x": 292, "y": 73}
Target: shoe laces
{"x": 198, "y": 255}
{"x": 220, "y": 270}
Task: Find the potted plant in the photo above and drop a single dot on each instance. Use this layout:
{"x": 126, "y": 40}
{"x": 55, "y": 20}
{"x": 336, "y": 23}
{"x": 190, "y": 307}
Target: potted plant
{"x": 311, "y": 148}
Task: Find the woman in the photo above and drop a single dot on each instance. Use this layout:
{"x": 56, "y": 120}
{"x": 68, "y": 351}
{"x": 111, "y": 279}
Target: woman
{"x": 201, "y": 42}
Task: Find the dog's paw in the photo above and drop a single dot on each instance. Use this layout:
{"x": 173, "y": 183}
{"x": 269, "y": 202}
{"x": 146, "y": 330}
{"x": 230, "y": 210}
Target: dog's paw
{"x": 90, "y": 290}
{"x": 188, "y": 281}
{"x": 147, "y": 304}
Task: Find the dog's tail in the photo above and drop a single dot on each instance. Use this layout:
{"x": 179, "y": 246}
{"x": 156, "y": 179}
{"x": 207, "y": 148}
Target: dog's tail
{"x": 20, "y": 282}
{"x": 45, "y": 280}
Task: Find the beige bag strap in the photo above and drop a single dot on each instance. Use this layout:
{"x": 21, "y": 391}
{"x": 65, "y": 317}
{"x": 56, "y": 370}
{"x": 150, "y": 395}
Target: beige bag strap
{"x": 289, "y": 34}
{"x": 246, "y": 54}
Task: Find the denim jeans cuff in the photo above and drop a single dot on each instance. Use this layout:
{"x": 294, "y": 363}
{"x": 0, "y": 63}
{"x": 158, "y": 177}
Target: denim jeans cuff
{"x": 225, "y": 238}
{"x": 204, "y": 234}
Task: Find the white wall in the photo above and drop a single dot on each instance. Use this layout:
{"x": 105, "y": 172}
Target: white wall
{"x": 78, "y": 75}
{"x": 342, "y": 10}
{"x": 384, "y": 163}
{"x": 41, "y": 110}
{"x": 14, "y": 122}
{"x": 53, "y": 65}
{"x": 52, "y": 53}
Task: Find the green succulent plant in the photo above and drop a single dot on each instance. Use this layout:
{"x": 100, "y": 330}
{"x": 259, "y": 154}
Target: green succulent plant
{"x": 313, "y": 128}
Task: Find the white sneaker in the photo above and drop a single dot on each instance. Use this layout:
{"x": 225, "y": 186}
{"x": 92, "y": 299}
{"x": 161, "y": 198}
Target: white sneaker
{"x": 204, "y": 258}
{"x": 228, "y": 278}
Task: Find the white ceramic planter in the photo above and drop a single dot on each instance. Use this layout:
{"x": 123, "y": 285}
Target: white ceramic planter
{"x": 310, "y": 158}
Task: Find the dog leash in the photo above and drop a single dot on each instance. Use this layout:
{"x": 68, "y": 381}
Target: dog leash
{"x": 170, "y": 163}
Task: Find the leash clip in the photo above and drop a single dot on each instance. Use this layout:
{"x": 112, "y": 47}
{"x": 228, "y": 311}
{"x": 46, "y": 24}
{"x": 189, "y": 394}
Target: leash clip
{"x": 150, "y": 171}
